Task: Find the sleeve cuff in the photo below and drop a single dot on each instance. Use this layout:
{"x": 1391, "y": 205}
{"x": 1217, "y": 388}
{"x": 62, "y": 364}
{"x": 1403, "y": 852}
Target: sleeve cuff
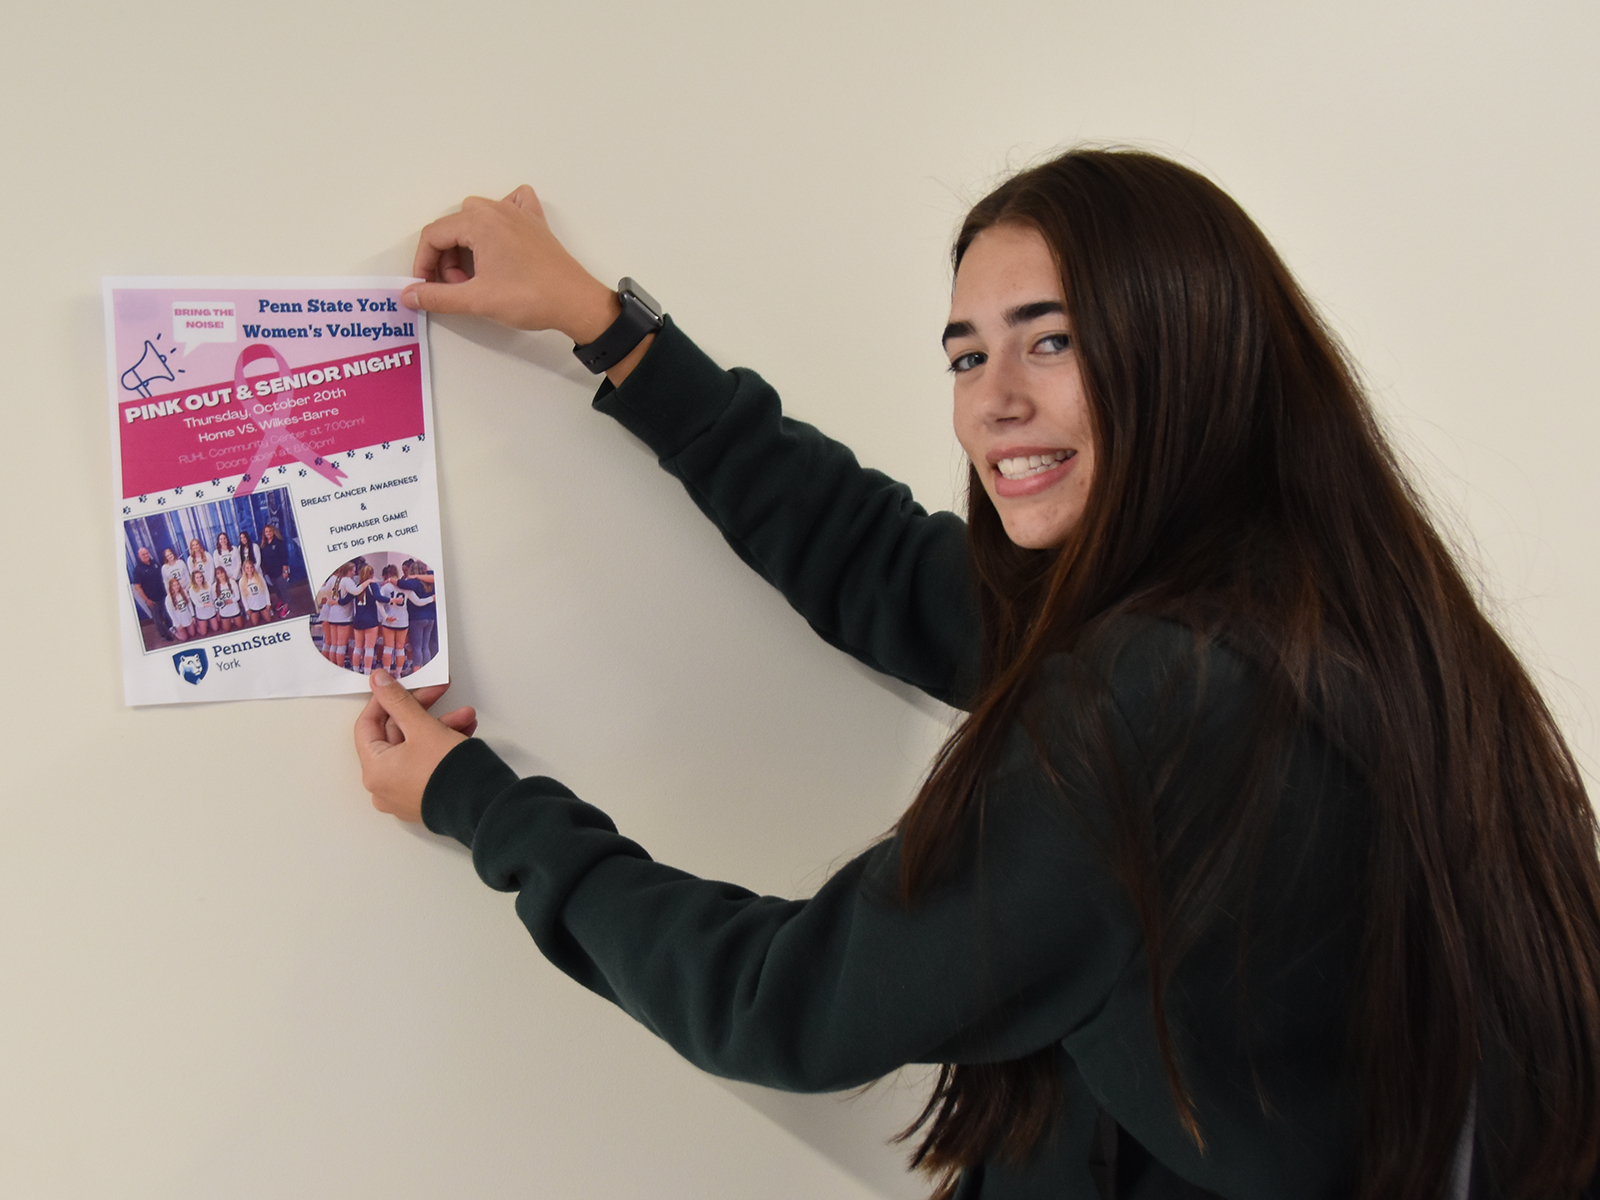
{"x": 673, "y": 396}
{"x": 462, "y": 787}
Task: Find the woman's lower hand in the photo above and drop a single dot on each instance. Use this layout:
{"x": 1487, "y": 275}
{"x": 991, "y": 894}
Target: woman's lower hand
{"x": 400, "y": 743}
{"x": 498, "y": 259}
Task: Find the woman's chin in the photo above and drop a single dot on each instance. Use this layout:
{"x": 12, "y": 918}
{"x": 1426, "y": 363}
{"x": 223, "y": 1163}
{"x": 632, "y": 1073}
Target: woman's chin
{"x": 1029, "y": 539}
{"x": 1037, "y": 530}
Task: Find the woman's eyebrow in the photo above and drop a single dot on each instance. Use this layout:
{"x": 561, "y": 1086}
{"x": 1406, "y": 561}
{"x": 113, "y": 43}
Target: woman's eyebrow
{"x": 1020, "y": 315}
{"x": 1032, "y": 311}
{"x": 956, "y": 329}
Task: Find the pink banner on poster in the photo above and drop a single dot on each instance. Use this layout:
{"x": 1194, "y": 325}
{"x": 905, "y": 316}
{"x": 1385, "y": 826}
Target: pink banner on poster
{"x": 281, "y": 415}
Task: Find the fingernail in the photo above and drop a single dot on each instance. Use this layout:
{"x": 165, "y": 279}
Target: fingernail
{"x": 408, "y": 297}
{"x": 382, "y": 678}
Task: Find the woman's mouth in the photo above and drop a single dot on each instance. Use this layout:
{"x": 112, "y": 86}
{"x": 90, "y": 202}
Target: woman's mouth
{"x": 1025, "y": 474}
{"x": 1024, "y": 465}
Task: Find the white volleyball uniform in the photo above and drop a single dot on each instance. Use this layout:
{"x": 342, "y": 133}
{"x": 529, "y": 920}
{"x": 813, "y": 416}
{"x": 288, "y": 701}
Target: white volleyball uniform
{"x": 182, "y": 617}
{"x": 256, "y": 596}
{"x": 393, "y": 614}
{"x": 227, "y": 599}
{"x": 204, "y": 609}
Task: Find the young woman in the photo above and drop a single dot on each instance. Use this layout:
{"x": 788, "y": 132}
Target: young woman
{"x": 361, "y": 595}
{"x": 247, "y": 551}
{"x": 395, "y": 615}
{"x": 1257, "y": 868}
{"x": 205, "y": 606}
{"x": 180, "y": 610}
{"x": 419, "y": 610}
{"x": 199, "y": 560}
{"x": 173, "y": 567}
{"x": 325, "y": 598}
{"x": 253, "y": 587}
{"x": 225, "y": 592}
{"x": 226, "y": 556}
{"x": 336, "y": 616}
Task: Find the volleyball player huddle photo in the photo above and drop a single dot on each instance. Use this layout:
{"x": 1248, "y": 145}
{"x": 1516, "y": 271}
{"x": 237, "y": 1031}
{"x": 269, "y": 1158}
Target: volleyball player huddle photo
{"x": 377, "y": 610}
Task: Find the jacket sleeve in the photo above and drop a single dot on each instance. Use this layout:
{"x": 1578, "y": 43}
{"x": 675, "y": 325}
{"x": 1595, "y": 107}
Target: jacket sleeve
{"x": 872, "y": 572}
{"x": 1017, "y": 947}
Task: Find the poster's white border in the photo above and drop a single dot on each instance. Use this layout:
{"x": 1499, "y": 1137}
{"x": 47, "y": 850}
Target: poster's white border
{"x": 434, "y": 672}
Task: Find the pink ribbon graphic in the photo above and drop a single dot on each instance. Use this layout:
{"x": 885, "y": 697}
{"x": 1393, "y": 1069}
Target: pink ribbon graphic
{"x": 279, "y": 437}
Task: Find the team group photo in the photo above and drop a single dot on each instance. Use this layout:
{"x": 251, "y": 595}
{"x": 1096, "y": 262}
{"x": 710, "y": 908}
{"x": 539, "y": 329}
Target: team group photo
{"x": 215, "y": 568}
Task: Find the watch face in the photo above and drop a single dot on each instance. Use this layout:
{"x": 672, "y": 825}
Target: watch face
{"x": 629, "y": 288}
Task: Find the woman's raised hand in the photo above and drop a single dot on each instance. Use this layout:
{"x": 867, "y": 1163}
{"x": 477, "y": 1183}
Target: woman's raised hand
{"x": 498, "y": 259}
{"x": 400, "y": 744}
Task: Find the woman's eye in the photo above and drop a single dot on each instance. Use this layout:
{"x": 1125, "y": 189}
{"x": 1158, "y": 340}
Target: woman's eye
{"x": 1053, "y": 343}
{"x": 965, "y": 362}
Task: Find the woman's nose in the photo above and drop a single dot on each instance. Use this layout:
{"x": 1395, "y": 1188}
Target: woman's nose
{"x": 1004, "y": 392}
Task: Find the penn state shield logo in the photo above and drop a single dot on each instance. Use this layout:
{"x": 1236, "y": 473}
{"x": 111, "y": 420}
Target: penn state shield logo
{"x": 190, "y": 664}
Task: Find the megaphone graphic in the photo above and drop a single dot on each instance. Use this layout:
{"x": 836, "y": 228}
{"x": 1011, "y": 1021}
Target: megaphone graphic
{"x": 144, "y": 372}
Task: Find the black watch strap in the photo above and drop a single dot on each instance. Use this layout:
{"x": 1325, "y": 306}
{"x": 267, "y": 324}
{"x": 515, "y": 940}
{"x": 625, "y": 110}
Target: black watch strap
{"x": 641, "y": 315}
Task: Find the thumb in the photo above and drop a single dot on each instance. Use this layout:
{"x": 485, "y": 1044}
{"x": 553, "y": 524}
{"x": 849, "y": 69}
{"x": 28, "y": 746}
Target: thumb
{"x": 438, "y": 297}
{"x": 400, "y": 704}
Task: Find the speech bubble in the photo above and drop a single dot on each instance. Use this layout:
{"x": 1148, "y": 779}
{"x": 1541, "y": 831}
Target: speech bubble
{"x": 195, "y": 322}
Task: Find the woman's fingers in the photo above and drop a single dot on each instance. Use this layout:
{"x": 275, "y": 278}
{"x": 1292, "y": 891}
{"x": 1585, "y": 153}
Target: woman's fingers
{"x": 455, "y": 265}
{"x": 463, "y": 720}
{"x": 401, "y": 705}
{"x": 526, "y": 199}
{"x": 371, "y": 730}
{"x": 429, "y": 696}
{"x": 445, "y": 234}
{"x": 448, "y": 297}
{"x": 399, "y": 745}
{"x": 498, "y": 259}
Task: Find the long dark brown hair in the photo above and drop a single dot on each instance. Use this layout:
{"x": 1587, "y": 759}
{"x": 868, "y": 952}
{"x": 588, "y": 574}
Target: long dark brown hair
{"x": 1242, "y": 488}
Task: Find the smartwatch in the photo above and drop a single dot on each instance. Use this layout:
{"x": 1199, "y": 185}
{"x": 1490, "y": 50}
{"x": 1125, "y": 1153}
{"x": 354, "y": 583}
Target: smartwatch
{"x": 641, "y": 315}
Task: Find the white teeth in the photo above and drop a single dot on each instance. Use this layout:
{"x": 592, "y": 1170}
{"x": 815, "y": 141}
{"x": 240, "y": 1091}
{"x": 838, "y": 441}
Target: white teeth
{"x": 1030, "y": 464}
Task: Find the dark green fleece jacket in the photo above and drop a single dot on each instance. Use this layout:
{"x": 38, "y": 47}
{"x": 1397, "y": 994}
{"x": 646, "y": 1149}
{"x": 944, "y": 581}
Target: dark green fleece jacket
{"x": 1027, "y": 940}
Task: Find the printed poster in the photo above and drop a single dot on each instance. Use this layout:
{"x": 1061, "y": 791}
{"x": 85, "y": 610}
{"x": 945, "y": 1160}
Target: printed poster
{"x": 276, "y": 508}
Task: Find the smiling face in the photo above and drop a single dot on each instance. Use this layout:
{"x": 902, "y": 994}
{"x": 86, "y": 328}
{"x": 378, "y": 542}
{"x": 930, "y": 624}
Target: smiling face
{"x": 1020, "y": 409}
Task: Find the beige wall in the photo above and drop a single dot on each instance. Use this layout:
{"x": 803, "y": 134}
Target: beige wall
{"x": 220, "y": 973}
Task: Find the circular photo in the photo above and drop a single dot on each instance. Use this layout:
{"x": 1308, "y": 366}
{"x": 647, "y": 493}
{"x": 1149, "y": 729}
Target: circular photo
{"x": 376, "y": 611}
